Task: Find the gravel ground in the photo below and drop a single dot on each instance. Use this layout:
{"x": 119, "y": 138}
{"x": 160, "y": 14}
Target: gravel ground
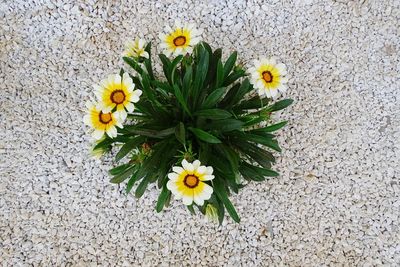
{"x": 336, "y": 202}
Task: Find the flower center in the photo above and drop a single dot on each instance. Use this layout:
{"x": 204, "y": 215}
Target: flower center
{"x": 180, "y": 40}
{"x": 105, "y": 117}
{"x": 191, "y": 181}
{"x": 118, "y": 97}
{"x": 267, "y": 76}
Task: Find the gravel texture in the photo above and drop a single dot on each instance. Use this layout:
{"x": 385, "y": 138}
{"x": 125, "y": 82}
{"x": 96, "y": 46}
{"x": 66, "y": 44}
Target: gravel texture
{"x": 336, "y": 203}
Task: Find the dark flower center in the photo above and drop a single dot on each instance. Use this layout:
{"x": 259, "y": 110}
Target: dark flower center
{"x": 267, "y": 76}
{"x": 118, "y": 97}
{"x": 105, "y": 117}
{"x": 191, "y": 181}
{"x": 180, "y": 40}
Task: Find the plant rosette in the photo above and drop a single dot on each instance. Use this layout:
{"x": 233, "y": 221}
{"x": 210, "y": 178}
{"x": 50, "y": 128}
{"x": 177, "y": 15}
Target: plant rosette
{"x": 201, "y": 130}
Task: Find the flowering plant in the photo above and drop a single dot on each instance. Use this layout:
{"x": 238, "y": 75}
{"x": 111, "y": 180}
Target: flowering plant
{"x": 199, "y": 132}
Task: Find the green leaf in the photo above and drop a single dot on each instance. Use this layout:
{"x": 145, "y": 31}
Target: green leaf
{"x": 142, "y": 187}
{"x": 270, "y": 128}
{"x": 128, "y": 146}
{"x": 213, "y": 98}
{"x": 147, "y": 61}
{"x": 204, "y": 136}
{"x": 180, "y": 133}
{"x": 220, "y": 74}
{"x": 131, "y": 182}
{"x": 226, "y": 125}
{"x": 162, "y": 198}
{"x": 149, "y": 132}
{"x": 231, "y": 155}
{"x": 271, "y": 143}
{"x": 187, "y": 81}
{"x": 234, "y": 76}
{"x": 200, "y": 75}
{"x": 119, "y": 169}
{"x": 174, "y": 65}
{"x": 244, "y": 88}
{"x": 253, "y": 103}
{"x": 132, "y": 62}
{"x": 280, "y": 105}
{"x": 221, "y": 193}
{"x": 254, "y": 173}
{"x": 261, "y": 156}
{"x": 230, "y": 62}
{"x": 215, "y": 114}
{"x": 122, "y": 176}
{"x": 181, "y": 99}
{"x": 191, "y": 209}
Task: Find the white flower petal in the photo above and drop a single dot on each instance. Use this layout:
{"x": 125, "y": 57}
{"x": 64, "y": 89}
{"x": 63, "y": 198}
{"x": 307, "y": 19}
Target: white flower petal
{"x": 210, "y": 170}
{"x": 274, "y": 92}
{"x": 173, "y": 176}
{"x": 196, "y": 164}
{"x": 187, "y": 200}
{"x": 208, "y": 177}
{"x": 208, "y": 190}
{"x": 281, "y": 68}
{"x": 178, "y": 169}
{"x": 201, "y": 169}
{"x": 284, "y": 80}
{"x": 89, "y": 104}
{"x": 112, "y": 131}
{"x": 87, "y": 120}
{"x": 187, "y": 166}
{"x": 117, "y": 79}
{"x": 98, "y": 134}
{"x": 130, "y": 107}
{"x": 282, "y": 88}
{"x": 198, "y": 200}
{"x": 121, "y": 114}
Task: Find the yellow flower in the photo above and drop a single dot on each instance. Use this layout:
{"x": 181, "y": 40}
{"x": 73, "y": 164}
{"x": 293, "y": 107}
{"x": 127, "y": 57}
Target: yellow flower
{"x": 117, "y": 92}
{"x": 268, "y": 77}
{"x": 180, "y": 40}
{"x": 188, "y": 183}
{"x": 101, "y": 122}
{"x": 212, "y": 213}
{"x": 135, "y": 49}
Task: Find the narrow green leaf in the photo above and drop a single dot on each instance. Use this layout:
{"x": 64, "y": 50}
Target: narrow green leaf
{"x": 150, "y": 133}
{"x": 213, "y": 98}
{"x": 147, "y": 61}
{"x": 253, "y": 103}
{"x": 191, "y": 209}
{"x": 122, "y": 177}
{"x": 220, "y": 74}
{"x": 128, "y": 146}
{"x": 215, "y": 114}
{"x": 226, "y": 125}
{"x": 280, "y": 105}
{"x": 142, "y": 187}
{"x": 119, "y": 169}
{"x": 131, "y": 182}
{"x": 270, "y": 128}
{"x": 132, "y": 62}
{"x": 233, "y": 77}
{"x": 187, "y": 81}
{"x": 162, "y": 198}
{"x": 221, "y": 193}
{"x": 181, "y": 99}
{"x": 204, "y": 136}
{"x": 180, "y": 133}
{"x": 229, "y": 64}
